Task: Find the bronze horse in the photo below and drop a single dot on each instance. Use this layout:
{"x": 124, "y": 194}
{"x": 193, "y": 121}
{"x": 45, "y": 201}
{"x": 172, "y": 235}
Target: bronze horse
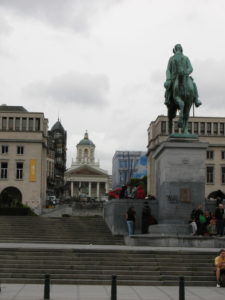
{"x": 181, "y": 98}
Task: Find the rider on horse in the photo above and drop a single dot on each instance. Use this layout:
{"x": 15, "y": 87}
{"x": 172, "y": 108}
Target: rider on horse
{"x": 179, "y": 65}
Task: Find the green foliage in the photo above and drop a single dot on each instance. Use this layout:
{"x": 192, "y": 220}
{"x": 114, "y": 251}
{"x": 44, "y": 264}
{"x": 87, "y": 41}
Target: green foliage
{"x": 136, "y": 181}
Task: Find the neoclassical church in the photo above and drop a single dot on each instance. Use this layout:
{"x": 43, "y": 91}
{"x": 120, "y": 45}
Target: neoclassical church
{"x": 85, "y": 177}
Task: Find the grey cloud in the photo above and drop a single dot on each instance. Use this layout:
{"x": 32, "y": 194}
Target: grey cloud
{"x": 74, "y": 88}
{"x": 158, "y": 76}
{"x": 75, "y": 14}
{"x": 210, "y": 79}
{"x": 5, "y": 27}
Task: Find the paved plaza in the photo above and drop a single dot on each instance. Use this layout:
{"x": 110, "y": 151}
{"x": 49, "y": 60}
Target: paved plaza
{"x": 88, "y": 292}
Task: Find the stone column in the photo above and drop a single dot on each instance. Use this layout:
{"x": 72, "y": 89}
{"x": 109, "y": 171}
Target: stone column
{"x": 79, "y": 188}
{"x": 98, "y": 190}
{"x": 106, "y": 187}
{"x": 89, "y": 189}
{"x": 71, "y": 189}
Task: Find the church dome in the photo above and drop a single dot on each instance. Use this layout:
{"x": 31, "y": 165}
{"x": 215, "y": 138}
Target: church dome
{"x": 86, "y": 141}
{"x": 57, "y": 126}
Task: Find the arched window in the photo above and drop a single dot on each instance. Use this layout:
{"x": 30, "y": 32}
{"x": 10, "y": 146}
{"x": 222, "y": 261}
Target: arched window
{"x": 86, "y": 155}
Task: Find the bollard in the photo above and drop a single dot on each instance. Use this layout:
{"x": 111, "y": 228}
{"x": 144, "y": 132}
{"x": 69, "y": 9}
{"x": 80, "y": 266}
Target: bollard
{"x": 47, "y": 287}
{"x": 181, "y": 289}
{"x": 114, "y": 288}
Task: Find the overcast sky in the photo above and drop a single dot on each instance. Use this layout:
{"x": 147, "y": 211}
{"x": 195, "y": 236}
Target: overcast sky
{"x": 99, "y": 65}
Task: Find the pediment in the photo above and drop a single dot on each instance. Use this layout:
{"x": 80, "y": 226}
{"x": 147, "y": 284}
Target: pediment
{"x": 86, "y": 171}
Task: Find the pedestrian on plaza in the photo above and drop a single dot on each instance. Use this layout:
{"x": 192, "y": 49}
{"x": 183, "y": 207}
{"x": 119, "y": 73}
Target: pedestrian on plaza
{"x": 193, "y": 226}
{"x": 146, "y": 215}
{"x": 202, "y": 222}
{"x": 123, "y": 192}
{"x": 219, "y": 214}
{"x": 195, "y": 216}
{"x": 130, "y": 217}
{"x": 212, "y": 226}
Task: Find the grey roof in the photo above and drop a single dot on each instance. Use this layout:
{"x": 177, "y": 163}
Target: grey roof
{"x": 9, "y": 108}
{"x": 57, "y": 126}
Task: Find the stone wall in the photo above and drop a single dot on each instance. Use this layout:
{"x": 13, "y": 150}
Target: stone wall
{"x": 114, "y": 213}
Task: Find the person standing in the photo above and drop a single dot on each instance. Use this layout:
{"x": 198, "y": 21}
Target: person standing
{"x": 146, "y": 214}
{"x": 219, "y": 212}
{"x": 130, "y": 217}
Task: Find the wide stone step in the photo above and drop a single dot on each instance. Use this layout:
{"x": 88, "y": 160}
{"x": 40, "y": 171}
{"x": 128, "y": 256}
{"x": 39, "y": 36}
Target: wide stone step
{"x": 107, "y": 282}
{"x": 64, "y": 241}
{"x": 81, "y": 267}
{"x": 81, "y": 276}
{"x": 74, "y": 230}
{"x": 77, "y": 271}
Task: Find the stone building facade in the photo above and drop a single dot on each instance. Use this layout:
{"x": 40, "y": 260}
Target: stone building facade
{"x": 23, "y": 156}
{"x": 210, "y": 130}
{"x": 85, "y": 177}
{"x": 57, "y": 140}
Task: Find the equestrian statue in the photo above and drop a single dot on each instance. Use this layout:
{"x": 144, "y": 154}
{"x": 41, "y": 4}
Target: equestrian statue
{"x": 181, "y": 90}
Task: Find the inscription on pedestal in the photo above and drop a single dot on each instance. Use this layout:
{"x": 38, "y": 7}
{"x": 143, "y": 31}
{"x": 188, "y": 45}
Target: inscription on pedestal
{"x": 172, "y": 198}
{"x": 185, "y": 195}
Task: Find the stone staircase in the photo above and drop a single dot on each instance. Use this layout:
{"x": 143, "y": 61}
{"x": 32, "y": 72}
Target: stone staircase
{"x": 67, "y": 230}
{"x": 91, "y": 264}
{"x": 96, "y": 266}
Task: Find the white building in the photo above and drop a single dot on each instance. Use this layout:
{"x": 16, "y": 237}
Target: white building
{"x": 85, "y": 176}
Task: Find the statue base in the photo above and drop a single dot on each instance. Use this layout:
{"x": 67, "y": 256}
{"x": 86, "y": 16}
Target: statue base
{"x": 183, "y": 229}
{"x": 180, "y": 179}
{"x": 183, "y": 136}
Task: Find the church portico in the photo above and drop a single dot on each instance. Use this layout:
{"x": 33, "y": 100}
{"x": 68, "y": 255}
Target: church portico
{"x": 88, "y": 187}
{"x": 85, "y": 176}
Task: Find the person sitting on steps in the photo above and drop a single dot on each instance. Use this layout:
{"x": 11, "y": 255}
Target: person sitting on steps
{"x": 220, "y": 266}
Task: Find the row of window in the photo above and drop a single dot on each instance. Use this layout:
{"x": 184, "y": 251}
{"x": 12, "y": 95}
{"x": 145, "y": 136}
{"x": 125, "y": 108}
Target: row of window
{"x": 131, "y": 163}
{"x": 210, "y": 154}
{"x": 5, "y": 149}
{"x": 202, "y": 128}
{"x": 4, "y": 170}
{"x": 210, "y": 174}
{"x": 20, "y": 124}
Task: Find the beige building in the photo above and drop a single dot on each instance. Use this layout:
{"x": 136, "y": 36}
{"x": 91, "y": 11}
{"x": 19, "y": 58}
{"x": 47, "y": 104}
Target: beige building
{"x": 23, "y": 156}
{"x": 210, "y": 130}
{"x": 85, "y": 177}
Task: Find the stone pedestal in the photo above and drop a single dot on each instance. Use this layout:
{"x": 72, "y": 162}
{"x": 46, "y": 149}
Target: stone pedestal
{"x": 180, "y": 182}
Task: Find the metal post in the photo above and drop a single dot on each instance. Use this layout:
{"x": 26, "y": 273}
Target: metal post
{"x": 47, "y": 287}
{"x": 114, "y": 288}
{"x": 181, "y": 289}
